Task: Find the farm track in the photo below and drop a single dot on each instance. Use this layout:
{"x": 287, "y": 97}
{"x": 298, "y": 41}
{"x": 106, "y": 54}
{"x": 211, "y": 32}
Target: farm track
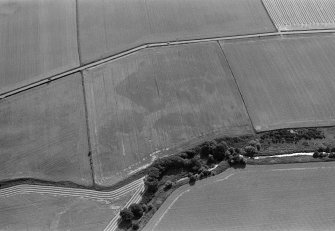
{"x": 62, "y": 191}
{"x": 137, "y": 185}
{"x": 48, "y": 79}
{"x": 112, "y": 225}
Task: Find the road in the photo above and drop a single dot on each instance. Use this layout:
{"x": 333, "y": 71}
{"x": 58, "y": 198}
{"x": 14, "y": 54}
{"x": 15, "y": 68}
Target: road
{"x": 47, "y": 79}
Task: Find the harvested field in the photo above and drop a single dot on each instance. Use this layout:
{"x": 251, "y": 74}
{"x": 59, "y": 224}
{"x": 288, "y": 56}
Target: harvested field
{"x": 155, "y": 100}
{"x": 109, "y": 27}
{"x": 301, "y": 14}
{"x": 286, "y": 82}
{"x": 35, "y": 211}
{"x": 37, "y": 39}
{"x": 44, "y": 133}
{"x": 282, "y": 197}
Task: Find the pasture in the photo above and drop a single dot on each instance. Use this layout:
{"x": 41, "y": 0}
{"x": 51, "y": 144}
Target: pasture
{"x": 301, "y": 14}
{"x": 109, "y": 27}
{"x": 280, "y": 197}
{"x": 38, "y": 38}
{"x": 286, "y": 82}
{"x": 144, "y": 104}
{"x": 44, "y": 133}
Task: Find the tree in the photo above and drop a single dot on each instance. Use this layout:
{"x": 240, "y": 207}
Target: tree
{"x": 153, "y": 172}
{"x": 250, "y": 151}
{"x": 145, "y": 208}
{"x": 137, "y": 210}
{"x": 316, "y": 154}
{"x": 322, "y": 148}
{"x": 126, "y": 215}
{"x": 207, "y": 148}
{"x": 135, "y": 226}
{"x": 331, "y": 155}
{"x": 168, "y": 184}
{"x": 151, "y": 184}
{"x": 192, "y": 179}
{"x": 190, "y": 153}
{"x": 210, "y": 159}
{"x": 220, "y": 150}
{"x": 327, "y": 150}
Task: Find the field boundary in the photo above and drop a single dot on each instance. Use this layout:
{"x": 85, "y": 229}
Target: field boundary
{"x": 102, "y": 61}
{"x": 237, "y": 86}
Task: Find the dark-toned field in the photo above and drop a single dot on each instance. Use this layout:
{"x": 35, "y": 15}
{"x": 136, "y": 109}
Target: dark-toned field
{"x": 109, "y": 27}
{"x": 286, "y": 82}
{"x": 156, "y": 99}
{"x": 302, "y": 14}
{"x": 38, "y": 38}
{"x": 282, "y": 197}
{"x": 44, "y": 133}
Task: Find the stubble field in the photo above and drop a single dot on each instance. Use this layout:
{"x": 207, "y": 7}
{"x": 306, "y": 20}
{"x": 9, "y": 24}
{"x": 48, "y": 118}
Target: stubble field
{"x": 286, "y": 82}
{"x": 156, "y": 99}
{"x": 281, "y": 197}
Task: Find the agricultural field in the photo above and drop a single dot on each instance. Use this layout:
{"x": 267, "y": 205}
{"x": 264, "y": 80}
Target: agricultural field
{"x": 301, "y": 14}
{"x": 44, "y": 133}
{"x": 191, "y": 19}
{"x": 144, "y": 104}
{"x": 286, "y": 82}
{"x": 38, "y": 38}
{"x": 110, "y": 27}
{"x": 55, "y": 209}
{"x": 281, "y": 197}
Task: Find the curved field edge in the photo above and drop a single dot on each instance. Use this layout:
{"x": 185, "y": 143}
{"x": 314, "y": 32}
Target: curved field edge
{"x": 304, "y": 140}
{"x": 161, "y": 218}
{"x": 103, "y": 207}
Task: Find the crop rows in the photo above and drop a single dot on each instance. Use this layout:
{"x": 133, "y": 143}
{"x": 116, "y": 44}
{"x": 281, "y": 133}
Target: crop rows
{"x": 301, "y": 14}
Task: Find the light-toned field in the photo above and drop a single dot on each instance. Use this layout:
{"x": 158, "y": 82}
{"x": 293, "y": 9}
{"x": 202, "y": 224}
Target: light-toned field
{"x": 301, "y": 14}
{"x": 109, "y": 27}
{"x": 44, "y": 133}
{"x": 36, "y": 211}
{"x": 37, "y": 38}
{"x": 156, "y": 99}
{"x": 286, "y": 82}
{"x": 275, "y": 197}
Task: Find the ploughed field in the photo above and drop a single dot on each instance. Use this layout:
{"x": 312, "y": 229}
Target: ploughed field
{"x": 301, "y": 14}
{"x": 109, "y": 27}
{"x": 44, "y": 133}
{"x": 275, "y": 197}
{"x": 156, "y": 99}
{"x": 285, "y": 82}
